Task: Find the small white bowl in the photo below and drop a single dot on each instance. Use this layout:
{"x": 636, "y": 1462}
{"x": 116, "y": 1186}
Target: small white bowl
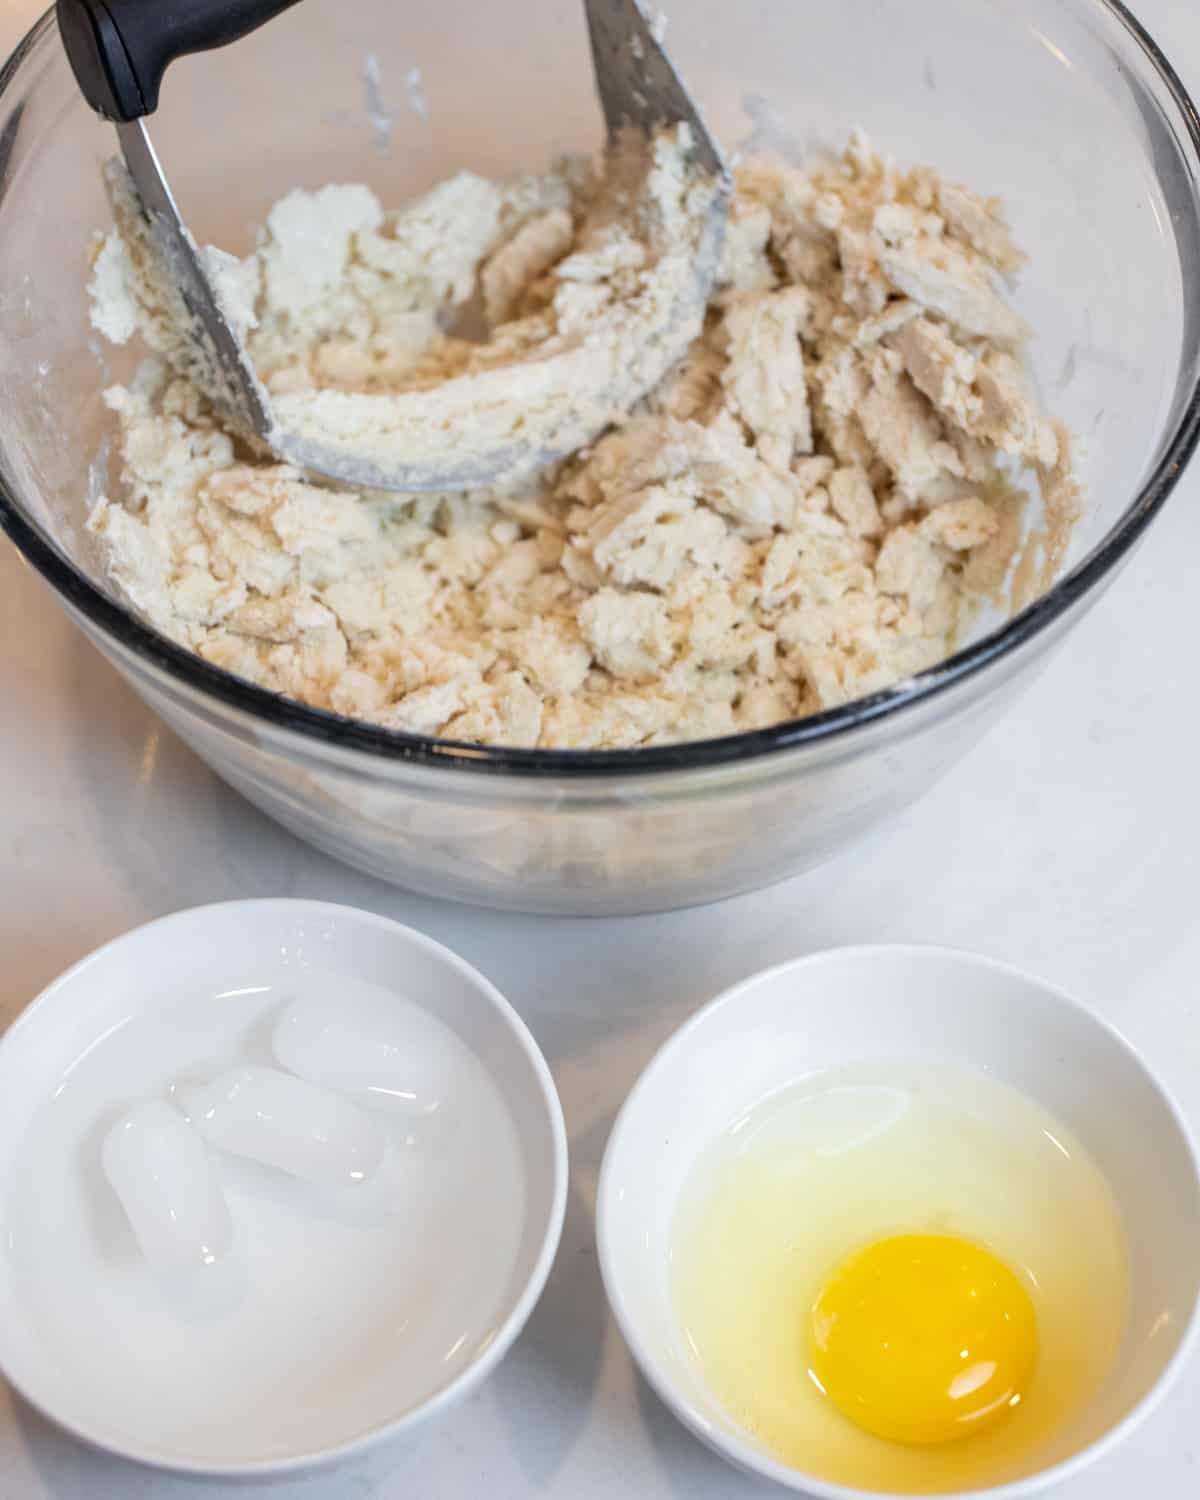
{"x": 340, "y": 1319}
{"x": 892, "y": 1004}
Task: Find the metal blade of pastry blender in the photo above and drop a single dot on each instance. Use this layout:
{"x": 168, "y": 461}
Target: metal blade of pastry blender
{"x": 223, "y": 371}
{"x": 638, "y": 83}
{"x": 120, "y": 72}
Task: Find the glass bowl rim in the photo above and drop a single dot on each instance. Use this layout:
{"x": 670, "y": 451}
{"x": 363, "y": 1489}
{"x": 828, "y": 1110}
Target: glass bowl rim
{"x": 159, "y": 653}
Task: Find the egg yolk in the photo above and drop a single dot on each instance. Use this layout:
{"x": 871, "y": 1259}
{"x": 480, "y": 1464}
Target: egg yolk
{"x": 923, "y": 1339}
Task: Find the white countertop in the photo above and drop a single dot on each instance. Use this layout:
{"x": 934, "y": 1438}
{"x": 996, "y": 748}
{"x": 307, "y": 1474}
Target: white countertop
{"x": 1067, "y": 843}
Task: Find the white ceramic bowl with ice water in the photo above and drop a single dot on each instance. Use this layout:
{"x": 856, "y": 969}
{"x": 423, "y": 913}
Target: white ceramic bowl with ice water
{"x": 891, "y": 1005}
{"x": 342, "y": 1315}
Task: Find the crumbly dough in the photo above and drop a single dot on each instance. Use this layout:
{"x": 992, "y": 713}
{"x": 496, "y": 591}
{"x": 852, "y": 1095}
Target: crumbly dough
{"x": 626, "y": 260}
{"x": 809, "y": 507}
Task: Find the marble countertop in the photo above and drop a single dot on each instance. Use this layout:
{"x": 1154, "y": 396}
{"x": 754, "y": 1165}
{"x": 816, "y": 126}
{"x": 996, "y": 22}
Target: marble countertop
{"x": 1067, "y": 844}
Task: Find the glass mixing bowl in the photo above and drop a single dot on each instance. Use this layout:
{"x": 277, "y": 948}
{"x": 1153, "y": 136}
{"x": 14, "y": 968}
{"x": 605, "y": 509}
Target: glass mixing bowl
{"x": 1064, "y": 107}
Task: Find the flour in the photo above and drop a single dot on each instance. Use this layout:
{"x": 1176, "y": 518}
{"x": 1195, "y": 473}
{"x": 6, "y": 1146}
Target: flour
{"x": 813, "y": 504}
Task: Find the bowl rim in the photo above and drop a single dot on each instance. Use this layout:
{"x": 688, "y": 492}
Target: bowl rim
{"x": 522, "y": 1305}
{"x": 741, "y": 1452}
{"x": 334, "y": 732}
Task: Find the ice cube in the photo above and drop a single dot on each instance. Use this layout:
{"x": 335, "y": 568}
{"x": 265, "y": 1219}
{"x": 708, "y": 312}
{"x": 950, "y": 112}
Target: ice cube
{"x": 286, "y": 1123}
{"x": 160, "y": 1170}
{"x": 381, "y": 1048}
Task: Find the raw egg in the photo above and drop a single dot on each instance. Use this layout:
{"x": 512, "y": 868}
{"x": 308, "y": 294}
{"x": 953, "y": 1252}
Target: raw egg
{"x": 903, "y": 1279}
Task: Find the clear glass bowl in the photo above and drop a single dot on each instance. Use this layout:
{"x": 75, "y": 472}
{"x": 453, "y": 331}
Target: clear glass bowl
{"x": 1064, "y": 107}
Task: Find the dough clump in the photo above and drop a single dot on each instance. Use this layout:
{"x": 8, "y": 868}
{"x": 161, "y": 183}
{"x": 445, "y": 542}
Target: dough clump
{"x": 812, "y": 505}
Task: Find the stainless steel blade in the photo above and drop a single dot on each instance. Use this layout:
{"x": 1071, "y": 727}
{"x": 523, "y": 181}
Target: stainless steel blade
{"x": 638, "y": 83}
{"x": 223, "y": 369}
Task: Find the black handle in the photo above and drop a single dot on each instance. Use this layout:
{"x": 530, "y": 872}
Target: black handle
{"x": 120, "y": 49}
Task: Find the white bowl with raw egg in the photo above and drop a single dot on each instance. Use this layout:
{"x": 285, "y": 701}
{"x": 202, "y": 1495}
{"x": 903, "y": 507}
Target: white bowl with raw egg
{"x": 902, "y": 1220}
